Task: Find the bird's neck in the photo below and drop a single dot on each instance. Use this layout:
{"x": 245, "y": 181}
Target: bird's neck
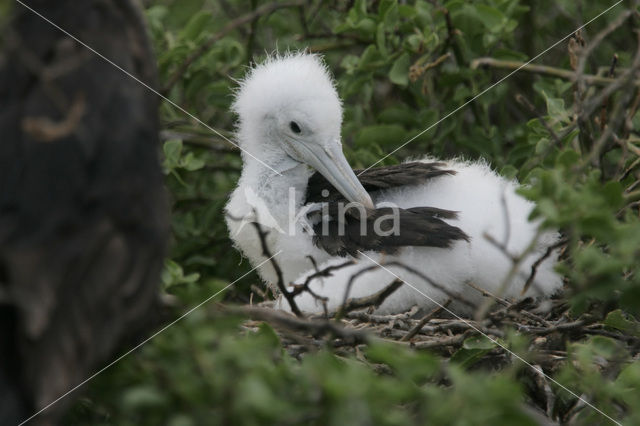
{"x": 280, "y": 192}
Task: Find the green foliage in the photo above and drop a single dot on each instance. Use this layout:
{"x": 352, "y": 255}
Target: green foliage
{"x": 386, "y": 59}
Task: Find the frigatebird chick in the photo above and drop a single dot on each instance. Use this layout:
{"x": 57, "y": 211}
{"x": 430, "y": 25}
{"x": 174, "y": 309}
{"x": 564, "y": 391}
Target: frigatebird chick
{"x": 435, "y": 217}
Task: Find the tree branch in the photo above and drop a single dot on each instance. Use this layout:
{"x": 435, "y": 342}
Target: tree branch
{"x": 543, "y": 70}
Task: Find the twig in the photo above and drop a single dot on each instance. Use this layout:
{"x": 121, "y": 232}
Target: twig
{"x": 374, "y": 300}
{"x": 417, "y": 69}
{"x": 510, "y": 306}
{"x": 536, "y": 264}
{"x": 413, "y": 271}
{"x": 326, "y": 272}
{"x": 276, "y": 267}
{"x": 543, "y": 70}
{"x": 280, "y": 280}
{"x": 485, "y": 293}
{"x": 516, "y": 262}
{"x": 315, "y": 327}
{"x": 550, "y": 397}
{"x": 565, "y": 327}
{"x": 454, "y": 340}
{"x": 416, "y": 329}
{"x": 629, "y": 77}
{"x": 524, "y": 101}
{"x": 605, "y": 103}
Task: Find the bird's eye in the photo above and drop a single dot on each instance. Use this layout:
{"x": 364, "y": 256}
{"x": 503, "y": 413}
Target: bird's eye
{"x": 294, "y": 127}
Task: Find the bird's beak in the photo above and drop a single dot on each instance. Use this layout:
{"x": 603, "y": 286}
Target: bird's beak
{"x": 331, "y": 163}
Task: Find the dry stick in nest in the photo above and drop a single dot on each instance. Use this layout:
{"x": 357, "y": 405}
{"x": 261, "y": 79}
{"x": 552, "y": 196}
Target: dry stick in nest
{"x": 267, "y": 253}
{"x": 374, "y": 300}
{"x": 280, "y": 282}
{"x": 242, "y": 20}
{"x": 315, "y": 327}
{"x": 516, "y": 262}
{"x": 415, "y": 330}
{"x": 543, "y": 385}
{"x": 411, "y": 270}
{"x": 320, "y": 273}
{"x": 509, "y": 306}
{"x": 536, "y": 264}
{"x": 455, "y": 340}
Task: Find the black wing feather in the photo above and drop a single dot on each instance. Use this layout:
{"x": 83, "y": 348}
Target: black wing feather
{"x": 417, "y": 226}
{"x": 377, "y": 179}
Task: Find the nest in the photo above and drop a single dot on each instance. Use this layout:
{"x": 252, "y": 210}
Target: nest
{"x": 348, "y": 332}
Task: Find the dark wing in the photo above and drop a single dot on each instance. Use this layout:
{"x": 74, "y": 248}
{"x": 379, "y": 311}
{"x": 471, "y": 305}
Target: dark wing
{"x": 376, "y": 179}
{"x": 345, "y": 234}
{"x": 385, "y": 230}
{"x": 83, "y": 221}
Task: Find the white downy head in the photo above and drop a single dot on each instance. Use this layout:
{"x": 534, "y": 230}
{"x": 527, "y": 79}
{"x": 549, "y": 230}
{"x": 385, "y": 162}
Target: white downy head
{"x": 290, "y": 113}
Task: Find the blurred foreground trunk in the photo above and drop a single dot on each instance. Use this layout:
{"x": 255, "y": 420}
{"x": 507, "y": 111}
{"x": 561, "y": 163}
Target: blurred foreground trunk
{"x": 83, "y": 214}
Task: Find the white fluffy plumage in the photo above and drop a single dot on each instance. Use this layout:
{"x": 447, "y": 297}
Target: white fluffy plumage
{"x": 487, "y": 205}
{"x": 299, "y": 87}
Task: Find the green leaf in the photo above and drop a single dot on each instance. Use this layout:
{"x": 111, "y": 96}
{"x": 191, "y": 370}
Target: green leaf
{"x": 388, "y": 13}
{"x": 196, "y": 25}
{"x": 556, "y": 109}
{"x": 472, "y": 350}
{"x": 568, "y": 158}
{"x": 369, "y": 56}
{"x": 191, "y": 163}
{"x": 619, "y": 321}
{"x": 173, "y": 275}
{"x": 172, "y": 149}
{"x": 360, "y": 7}
{"x": 490, "y": 17}
{"x": 380, "y": 41}
{"x": 269, "y": 334}
{"x": 399, "y": 73}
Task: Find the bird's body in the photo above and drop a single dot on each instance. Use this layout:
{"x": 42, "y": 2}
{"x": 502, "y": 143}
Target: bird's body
{"x": 290, "y": 118}
{"x": 488, "y": 208}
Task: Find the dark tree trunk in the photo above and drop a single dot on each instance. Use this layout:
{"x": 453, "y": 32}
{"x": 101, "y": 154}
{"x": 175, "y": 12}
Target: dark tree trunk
{"x": 83, "y": 213}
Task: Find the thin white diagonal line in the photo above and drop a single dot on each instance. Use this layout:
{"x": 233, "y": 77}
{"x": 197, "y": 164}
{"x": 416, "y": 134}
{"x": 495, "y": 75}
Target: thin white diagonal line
{"x": 491, "y": 87}
{"x": 495, "y": 341}
{"x": 151, "y": 89}
{"x": 146, "y": 340}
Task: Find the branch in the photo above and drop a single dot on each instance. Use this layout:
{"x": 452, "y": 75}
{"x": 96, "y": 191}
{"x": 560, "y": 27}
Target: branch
{"x": 543, "y": 70}
{"x": 280, "y": 282}
{"x": 267, "y": 253}
{"x": 315, "y": 327}
{"x": 326, "y": 272}
{"x": 524, "y": 101}
{"x": 536, "y": 264}
{"x": 416, "y": 329}
{"x": 375, "y": 300}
